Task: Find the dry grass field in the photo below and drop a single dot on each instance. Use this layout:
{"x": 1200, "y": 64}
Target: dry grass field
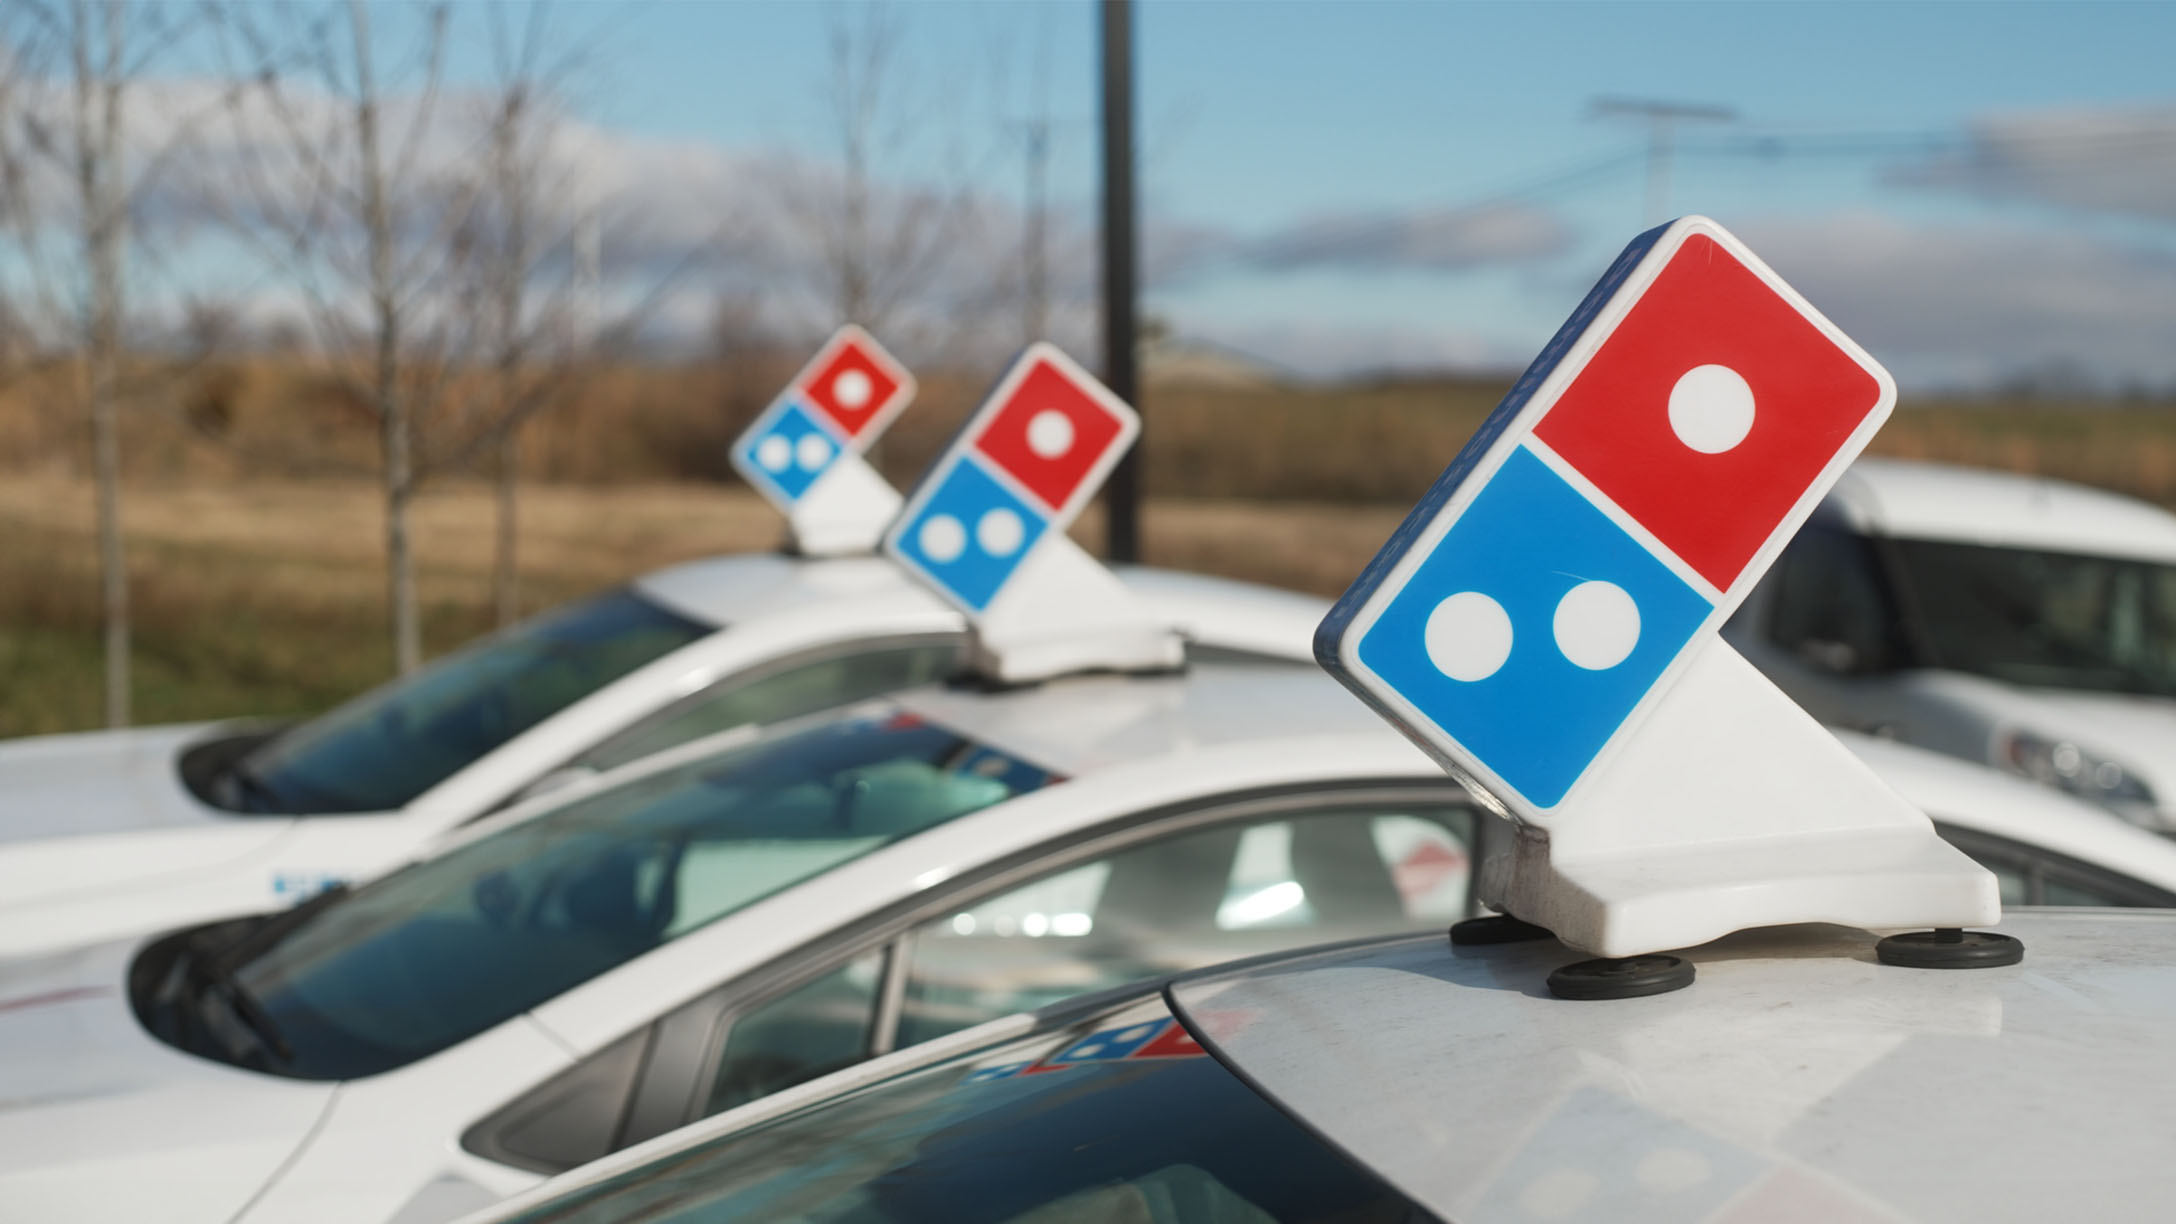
{"x": 255, "y": 535}
{"x": 267, "y": 596}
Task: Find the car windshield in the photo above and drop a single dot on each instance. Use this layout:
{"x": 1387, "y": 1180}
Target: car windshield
{"x": 2043, "y": 619}
{"x": 445, "y": 948}
{"x": 381, "y": 750}
{"x": 1120, "y": 1118}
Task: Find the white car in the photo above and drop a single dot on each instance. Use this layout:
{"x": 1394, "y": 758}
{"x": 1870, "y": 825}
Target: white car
{"x": 1795, "y": 1080}
{"x": 121, "y": 832}
{"x": 2013, "y": 620}
{"x": 706, "y": 927}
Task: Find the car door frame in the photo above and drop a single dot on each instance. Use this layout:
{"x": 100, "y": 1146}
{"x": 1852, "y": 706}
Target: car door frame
{"x": 684, "y": 1045}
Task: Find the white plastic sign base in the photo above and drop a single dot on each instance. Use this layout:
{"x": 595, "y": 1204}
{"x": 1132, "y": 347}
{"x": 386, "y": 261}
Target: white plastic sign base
{"x": 844, "y": 512}
{"x": 1065, "y": 613}
{"x": 1729, "y": 808}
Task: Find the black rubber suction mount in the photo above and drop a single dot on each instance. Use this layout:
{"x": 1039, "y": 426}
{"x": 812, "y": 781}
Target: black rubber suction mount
{"x": 1950, "y": 948}
{"x": 1631, "y": 977}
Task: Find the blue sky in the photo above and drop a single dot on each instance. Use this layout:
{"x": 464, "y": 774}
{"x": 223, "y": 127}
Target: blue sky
{"x": 1358, "y": 131}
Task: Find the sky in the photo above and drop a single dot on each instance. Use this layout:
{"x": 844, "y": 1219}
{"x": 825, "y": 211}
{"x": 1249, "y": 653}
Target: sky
{"x": 1979, "y": 192}
{"x": 1258, "y": 120}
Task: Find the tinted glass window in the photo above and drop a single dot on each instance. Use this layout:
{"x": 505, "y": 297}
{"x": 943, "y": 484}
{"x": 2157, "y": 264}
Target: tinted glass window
{"x": 2045, "y": 619}
{"x": 388, "y": 746}
{"x": 1830, "y": 605}
{"x": 1186, "y": 900}
{"x": 432, "y": 953}
{"x": 811, "y": 1030}
{"x": 1122, "y": 1119}
{"x": 789, "y": 693}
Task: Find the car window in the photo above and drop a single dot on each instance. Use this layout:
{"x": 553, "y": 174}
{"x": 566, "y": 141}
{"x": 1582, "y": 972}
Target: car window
{"x": 381, "y": 750}
{"x": 1830, "y": 604}
{"x": 811, "y": 1030}
{"x": 2056, "y": 891}
{"x": 2045, "y": 619}
{"x": 1122, "y": 1118}
{"x": 2031, "y": 875}
{"x": 1187, "y": 899}
{"x": 775, "y": 697}
{"x": 430, "y": 954}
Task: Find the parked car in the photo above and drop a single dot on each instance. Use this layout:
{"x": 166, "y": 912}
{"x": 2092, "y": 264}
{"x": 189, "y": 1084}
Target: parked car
{"x": 2013, "y": 620}
{"x": 121, "y": 832}
{"x": 1409, "y": 1080}
{"x": 716, "y": 923}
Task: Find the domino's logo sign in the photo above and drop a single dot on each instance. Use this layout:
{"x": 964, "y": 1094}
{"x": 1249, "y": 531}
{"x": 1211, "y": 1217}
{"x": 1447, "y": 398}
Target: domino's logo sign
{"x": 839, "y": 403}
{"x": 1023, "y": 467}
{"x": 1614, "y": 510}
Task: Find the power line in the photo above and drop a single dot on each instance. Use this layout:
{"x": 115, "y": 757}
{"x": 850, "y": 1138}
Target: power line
{"x": 1662, "y": 119}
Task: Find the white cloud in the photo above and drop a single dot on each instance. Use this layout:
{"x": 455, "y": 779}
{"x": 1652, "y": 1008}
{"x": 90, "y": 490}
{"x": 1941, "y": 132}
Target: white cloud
{"x": 1324, "y": 349}
{"x": 1438, "y": 240}
{"x": 2106, "y": 159}
{"x": 1976, "y": 303}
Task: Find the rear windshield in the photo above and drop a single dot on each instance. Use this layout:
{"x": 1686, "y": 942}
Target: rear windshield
{"x": 1122, "y": 1118}
{"x": 381, "y": 750}
{"x": 448, "y": 947}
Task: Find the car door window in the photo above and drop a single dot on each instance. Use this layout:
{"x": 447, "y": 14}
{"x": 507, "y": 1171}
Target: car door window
{"x": 1189, "y": 898}
{"x": 789, "y": 692}
{"x": 810, "y": 1030}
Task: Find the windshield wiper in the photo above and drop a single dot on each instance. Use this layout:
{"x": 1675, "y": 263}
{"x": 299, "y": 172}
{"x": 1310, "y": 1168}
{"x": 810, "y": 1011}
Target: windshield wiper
{"x": 250, "y": 1012}
{"x": 256, "y": 794}
{"x": 216, "y": 973}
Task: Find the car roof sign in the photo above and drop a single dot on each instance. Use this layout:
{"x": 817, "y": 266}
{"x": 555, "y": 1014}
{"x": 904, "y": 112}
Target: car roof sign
{"x": 986, "y": 526}
{"x": 805, "y": 451}
{"x": 1544, "y": 622}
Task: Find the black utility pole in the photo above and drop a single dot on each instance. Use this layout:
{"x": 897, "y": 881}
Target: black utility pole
{"x": 1120, "y": 268}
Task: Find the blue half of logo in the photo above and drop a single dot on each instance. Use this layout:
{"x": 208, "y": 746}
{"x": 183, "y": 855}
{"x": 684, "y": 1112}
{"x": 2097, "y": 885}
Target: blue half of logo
{"x": 1533, "y": 629}
{"x": 788, "y": 452}
{"x": 970, "y": 534}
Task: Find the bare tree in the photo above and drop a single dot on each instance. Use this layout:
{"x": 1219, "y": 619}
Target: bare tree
{"x": 530, "y": 216}
{"x": 70, "y": 71}
{"x": 359, "y": 217}
{"x": 876, "y": 249}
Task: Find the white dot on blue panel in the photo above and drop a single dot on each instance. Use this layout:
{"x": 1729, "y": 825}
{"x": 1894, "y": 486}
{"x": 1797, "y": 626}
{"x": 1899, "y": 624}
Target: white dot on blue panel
{"x": 1532, "y": 630}
{"x": 970, "y": 533}
{"x": 791, "y": 451}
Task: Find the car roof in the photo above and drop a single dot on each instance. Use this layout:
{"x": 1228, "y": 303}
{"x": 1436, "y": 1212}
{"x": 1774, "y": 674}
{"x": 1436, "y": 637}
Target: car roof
{"x": 1083, "y": 723}
{"x": 1224, "y": 612}
{"x": 1966, "y": 795}
{"x": 1796, "y": 1078}
{"x": 732, "y": 589}
{"x": 1932, "y": 501}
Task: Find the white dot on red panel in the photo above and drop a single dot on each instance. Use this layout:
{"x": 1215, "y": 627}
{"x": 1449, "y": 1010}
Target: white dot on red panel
{"x": 999, "y": 532}
{"x": 1597, "y": 625}
{"x": 1050, "y": 433}
{"x": 1468, "y": 636}
{"x": 1711, "y": 408}
{"x": 943, "y": 538}
{"x": 852, "y": 389}
{"x": 812, "y": 451}
{"x": 774, "y": 453}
